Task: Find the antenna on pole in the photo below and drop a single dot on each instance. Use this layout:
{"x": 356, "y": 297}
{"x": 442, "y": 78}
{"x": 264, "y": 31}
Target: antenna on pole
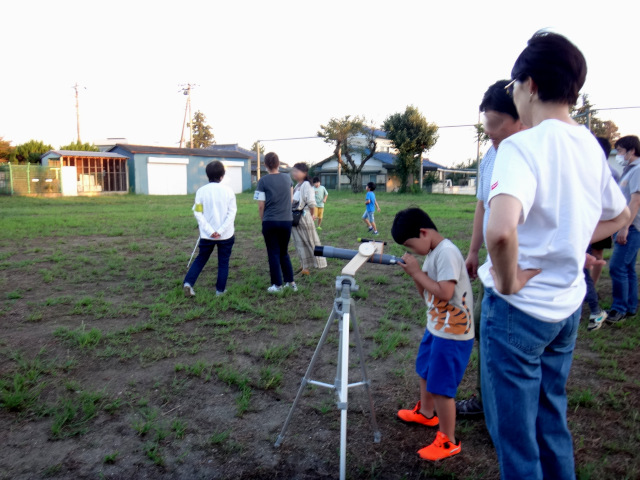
{"x": 75, "y": 87}
{"x": 185, "y": 88}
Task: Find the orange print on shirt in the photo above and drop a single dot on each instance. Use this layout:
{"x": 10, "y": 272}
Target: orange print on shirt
{"x": 448, "y": 318}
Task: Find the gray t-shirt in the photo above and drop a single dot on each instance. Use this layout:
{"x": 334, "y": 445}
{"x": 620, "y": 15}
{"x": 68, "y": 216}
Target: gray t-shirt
{"x": 452, "y": 319}
{"x": 630, "y": 184}
{"x": 275, "y": 191}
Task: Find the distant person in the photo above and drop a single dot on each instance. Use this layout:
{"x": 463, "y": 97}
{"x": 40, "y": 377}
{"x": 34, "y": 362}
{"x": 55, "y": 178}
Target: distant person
{"x": 622, "y": 266}
{"x": 551, "y": 195}
{"x": 273, "y": 194}
{"x": 304, "y": 234}
{"x": 500, "y": 120}
{"x": 215, "y": 210}
{"x": 370, "y": 207}
{"x": 444, "y": 353}
{"x": 321, "y": 199}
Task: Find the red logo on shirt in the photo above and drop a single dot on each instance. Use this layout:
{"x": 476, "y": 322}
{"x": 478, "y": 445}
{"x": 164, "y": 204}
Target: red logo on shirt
{"x": 494, "y": 186}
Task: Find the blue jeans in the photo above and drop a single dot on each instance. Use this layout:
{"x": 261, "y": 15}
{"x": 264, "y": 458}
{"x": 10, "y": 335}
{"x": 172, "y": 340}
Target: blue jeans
{"x": 276, "y": 237}
{"x": 591, "y": 297}
{"x": 525, "y": 364}
{"x": 206, "y": 249}
{"x": 622, "y": 268}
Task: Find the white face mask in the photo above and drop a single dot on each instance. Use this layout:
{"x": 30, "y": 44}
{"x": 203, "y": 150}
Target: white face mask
{"x": 620, "y": 160}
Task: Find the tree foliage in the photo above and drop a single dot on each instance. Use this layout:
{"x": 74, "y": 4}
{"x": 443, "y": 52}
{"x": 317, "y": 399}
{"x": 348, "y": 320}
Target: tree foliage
{"x": 6, "y": 150}
{"x": 202, "y": 135}
{"x": 31, "y": 151}
{"x": 254, "y": 148}
{"x": 341, "y": 133}
{"x": 412, "y": 135}
{"x": 599, "y": 127}
{"x": 80, "y": 147}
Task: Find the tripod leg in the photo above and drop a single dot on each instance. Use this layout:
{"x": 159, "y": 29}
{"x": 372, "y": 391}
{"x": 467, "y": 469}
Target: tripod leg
{"x": 344, "y": 383}
{"x": 306, "y": 377}
{"x": 365, "y": 378}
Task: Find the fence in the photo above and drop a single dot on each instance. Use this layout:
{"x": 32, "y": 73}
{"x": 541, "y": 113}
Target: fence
{"x": 28, "y": 179}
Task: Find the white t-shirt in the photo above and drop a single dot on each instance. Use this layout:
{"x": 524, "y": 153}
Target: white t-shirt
{"x": 452, "y": 319}
{"x": 560, "y": 176}
{"x": 215, "y": 209}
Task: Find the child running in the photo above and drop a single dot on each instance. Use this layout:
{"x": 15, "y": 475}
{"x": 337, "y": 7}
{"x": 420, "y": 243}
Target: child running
{"x": 371, "y": 205}
{"x": 446, "y": 346}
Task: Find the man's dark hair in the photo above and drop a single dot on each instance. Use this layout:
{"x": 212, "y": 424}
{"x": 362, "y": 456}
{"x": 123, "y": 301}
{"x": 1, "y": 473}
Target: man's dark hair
{"x": 497, "y": 99}
{"x": 556, "y": 66}
{"x": 372, "y": 186}
{"x": 215, "y": 171}
{"x": 630, "y": 142}
{"x": 408, "y": 222}
{"x": 271, "y": 160}
{"x": 606, "y": 146}
{"x": 316, "y": 180}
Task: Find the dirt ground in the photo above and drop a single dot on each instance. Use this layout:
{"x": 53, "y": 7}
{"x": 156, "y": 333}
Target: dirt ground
{"x": 141, "y": 379}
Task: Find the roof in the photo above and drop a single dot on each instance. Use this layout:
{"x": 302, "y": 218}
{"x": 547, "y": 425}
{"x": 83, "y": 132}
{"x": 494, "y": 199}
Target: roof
{"x": 195, "y": 152}
{"x": 81, "y": 153}
{"x": 388, "y": 159}
{"x": 233, "y": 147}
{"x": 377, "y": 132}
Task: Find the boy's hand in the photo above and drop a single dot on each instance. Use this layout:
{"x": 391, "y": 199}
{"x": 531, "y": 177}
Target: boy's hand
{"x": 410, "y": 265}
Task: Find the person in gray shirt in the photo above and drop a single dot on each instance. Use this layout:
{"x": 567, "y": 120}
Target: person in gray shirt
{"x": 273, "y": 193}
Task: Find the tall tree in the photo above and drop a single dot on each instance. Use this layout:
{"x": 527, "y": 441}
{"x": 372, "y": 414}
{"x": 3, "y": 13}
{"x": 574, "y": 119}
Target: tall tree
{"x": 254, "y": 148}
{"x": 202, "y": 135}
{"x": 599, "y": 127}
{"x": 31, "y": 151}
{"x": 342, "y": 134}
{"x": 80, "y": 147}
{"x": 412, "y": 135}
{"x": 6, "y": 150}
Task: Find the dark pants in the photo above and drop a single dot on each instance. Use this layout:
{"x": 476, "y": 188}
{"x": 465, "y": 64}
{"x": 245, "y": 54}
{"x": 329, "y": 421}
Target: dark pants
{"x": 206, "y": 249}
{"x": 591, "y": 297}
{"x": 276, "y": 237}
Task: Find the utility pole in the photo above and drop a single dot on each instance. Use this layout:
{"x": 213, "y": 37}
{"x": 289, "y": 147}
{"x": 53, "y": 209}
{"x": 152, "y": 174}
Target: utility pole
{"x": 75, "y": 87}
{"x": 186, "y": 90}
{"x": 257, "y": 161}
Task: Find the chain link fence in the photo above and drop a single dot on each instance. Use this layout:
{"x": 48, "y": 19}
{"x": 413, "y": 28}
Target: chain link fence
{"x": 28, "y": 179}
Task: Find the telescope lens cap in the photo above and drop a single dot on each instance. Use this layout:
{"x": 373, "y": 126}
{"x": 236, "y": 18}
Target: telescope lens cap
{"x": 367, "y": 249}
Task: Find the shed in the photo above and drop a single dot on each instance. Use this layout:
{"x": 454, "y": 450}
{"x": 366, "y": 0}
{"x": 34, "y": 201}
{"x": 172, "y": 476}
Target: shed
{"x": 89, "y": 172}
{"x": 180, "y": 171}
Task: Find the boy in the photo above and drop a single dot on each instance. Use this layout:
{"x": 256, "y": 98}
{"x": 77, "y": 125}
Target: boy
{"x": 321, "y": 199}
{"x": 371, "y": 205}
{"x": 446, "y": 347}
{"x": 215, "y": 210}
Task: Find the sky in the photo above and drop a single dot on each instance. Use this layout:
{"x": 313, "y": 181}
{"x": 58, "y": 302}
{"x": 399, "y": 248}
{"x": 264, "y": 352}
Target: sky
{"x": 279, "y": 69}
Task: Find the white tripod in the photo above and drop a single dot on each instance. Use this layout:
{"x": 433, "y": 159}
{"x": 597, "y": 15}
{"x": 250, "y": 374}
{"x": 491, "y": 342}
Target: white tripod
{"x": 344, "y": 311}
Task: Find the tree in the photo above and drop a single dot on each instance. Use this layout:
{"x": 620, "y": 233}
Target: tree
{"x": 342, "y": 132}
{"x": 599, "y": 127}
{"x": 80, "y": 147}
{"x": 31, "y": 151}
{"x": 412, "y": 135}
{"x": 202, "y": 135}
{"x": 6, "y": 150}
{"x": 254, "y": 148}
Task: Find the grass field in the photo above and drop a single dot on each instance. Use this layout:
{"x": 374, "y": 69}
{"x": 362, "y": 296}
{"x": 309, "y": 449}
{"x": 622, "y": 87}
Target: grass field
{"x": 107, "y": 371}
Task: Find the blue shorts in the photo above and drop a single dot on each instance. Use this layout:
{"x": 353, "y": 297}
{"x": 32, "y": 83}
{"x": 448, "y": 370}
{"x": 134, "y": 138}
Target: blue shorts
{"x": 368, "y": 215}
{"x": 442, "y": 362}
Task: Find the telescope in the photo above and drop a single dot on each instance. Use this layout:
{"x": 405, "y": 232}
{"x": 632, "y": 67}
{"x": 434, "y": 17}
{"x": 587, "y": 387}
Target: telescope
{"x": 346, "y": 254}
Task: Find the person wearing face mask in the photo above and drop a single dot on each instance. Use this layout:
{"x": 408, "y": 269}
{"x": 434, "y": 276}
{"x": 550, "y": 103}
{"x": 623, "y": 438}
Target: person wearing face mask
{"x": 622, "y": 266}
{"x": 500, "y": 121}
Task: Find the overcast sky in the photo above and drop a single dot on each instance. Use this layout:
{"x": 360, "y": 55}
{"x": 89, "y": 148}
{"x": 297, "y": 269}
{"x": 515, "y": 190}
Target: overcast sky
{"x": 276, "y": 69}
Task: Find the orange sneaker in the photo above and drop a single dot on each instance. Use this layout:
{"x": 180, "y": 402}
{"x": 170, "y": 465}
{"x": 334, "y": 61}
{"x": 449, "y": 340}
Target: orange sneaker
{"x": 441, "y": 448}
{"x": 414, "y": 416}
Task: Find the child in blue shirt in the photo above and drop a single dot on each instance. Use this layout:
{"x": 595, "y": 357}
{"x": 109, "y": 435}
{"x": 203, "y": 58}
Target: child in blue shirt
{"x": 371, "y": 205}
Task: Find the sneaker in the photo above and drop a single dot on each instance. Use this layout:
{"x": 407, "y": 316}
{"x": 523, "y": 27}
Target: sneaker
{"x": 319, "y": 228}
{"x": 305, "y": 271}
{"x": 376, "y": 232}
{"x": 415, "y": 416}
{"x": 596, "y": 320}
{"x": 472, "y": 407}
{"x": 615, "y": 317}
{"x": 441, "y": 448}
{"x": 188, "y": 290}
{"x": 274, "y": 289}
{"x": 219, "y": 293}
{"x": 292, "y": 286}
{"x": 371, "y": 229}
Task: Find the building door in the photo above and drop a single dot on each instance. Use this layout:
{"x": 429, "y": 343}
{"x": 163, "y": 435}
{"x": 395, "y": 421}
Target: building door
{"x": 233, "y": 175}
{"x": 167, "y": 176}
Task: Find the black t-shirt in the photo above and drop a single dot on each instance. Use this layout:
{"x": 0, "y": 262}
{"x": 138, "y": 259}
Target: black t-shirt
{"x": 275, "y": 190}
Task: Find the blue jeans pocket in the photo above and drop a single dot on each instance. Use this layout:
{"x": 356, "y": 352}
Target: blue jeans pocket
{"x": 528, "y": 334}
